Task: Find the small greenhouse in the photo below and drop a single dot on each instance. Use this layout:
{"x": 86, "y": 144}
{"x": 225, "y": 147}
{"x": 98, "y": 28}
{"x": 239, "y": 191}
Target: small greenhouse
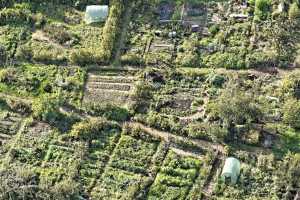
{"x": 231, "y": 170}
{"x": 96, "y": 13}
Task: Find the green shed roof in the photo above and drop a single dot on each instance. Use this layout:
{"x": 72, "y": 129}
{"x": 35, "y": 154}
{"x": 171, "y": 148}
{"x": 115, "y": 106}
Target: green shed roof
{"x": 231, "y": 169}
{"x": 96, "y": 13}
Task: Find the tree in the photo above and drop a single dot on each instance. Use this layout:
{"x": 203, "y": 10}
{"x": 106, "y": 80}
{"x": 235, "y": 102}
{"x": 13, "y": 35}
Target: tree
{"x": 236, "y": 107}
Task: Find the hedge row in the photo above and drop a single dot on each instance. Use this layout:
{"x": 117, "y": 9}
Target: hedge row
{"x": 112, "y": 28}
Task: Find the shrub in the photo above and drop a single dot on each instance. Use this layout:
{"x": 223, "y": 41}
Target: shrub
{"x": 262, "y": 7}
{"x": 24, "y": 52}
{"x": 12, "y": 15}
{"x": 189, "y": 59}
{"x": 111, "y": 30}
{"x": 46, "y": 108}
{"x": 235, "y": 107}
{"x": 82, "y": 57}
{"x": 261, "y": 59}
{"x": 291, "y": 85}
{"x": 214, "y": 29}
{"x": 188, "y": 55}
{"x": 294, "y": 11}
{"x": 109, "y": 111}
{"x": 91, "y": 129}
{"x": 226, "y": 60}
{"x": 291, "y": 113}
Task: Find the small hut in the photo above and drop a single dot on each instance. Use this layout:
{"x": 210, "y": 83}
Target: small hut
{"x": 96, "y": 13}
{"x": 231, "y": 170}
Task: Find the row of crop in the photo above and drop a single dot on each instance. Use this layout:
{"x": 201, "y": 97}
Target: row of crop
{"x": 175, "y": 178}
{"x": 133, "y": 155}
{"x": 97, "y": 156}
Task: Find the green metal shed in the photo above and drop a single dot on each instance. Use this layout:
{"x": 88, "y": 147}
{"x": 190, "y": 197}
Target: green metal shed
{"x": 231, "y": 170}
{"x": 96, "y": 13}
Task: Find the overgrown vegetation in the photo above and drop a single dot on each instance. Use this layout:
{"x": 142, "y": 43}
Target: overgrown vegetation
{"x": 149, "y": 103}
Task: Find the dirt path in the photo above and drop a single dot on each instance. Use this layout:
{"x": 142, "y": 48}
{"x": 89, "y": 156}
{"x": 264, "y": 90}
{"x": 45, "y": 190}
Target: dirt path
{"x": 187, "y": 153}
{"x": 168, "y": 136}
{"x": 210, "y": 182}
{"x": 197, "y": 115}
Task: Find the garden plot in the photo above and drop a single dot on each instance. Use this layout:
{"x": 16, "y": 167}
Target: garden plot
{"x": 119, "y": 184}
{"x": 130, "y": 168}
{"x": 175, "y": 178}
{"x": 97, "y": 155}
{"x": 112, "y": 88}
{"x": 11, "y": 37}
{"x": 160, "y": 50}
{"x": 32, "y": 143}
{"x": 9, "y": 125}
{"x": 179, "y": 104}
{"x": 33, "y": 81}
{"x": 133, "y": 155}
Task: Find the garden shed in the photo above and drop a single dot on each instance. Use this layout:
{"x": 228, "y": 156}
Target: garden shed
{"x": 231, "y": 170}
{"x": 96, "y": 13}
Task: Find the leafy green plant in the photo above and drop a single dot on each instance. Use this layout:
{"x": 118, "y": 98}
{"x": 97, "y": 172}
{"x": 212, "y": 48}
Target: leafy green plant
{"x": 291, "y": 113}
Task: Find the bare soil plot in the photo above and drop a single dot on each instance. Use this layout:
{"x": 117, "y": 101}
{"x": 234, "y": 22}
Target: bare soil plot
{"x": 109, "y": 87}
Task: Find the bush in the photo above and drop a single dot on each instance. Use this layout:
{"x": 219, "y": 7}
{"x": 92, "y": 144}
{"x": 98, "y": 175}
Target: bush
{"x": 46, "y": 108}
{"x": 262, "y": 8}
{"x": 189, "y": 59}
{"x": 291, "y": 113}
{"x": 235, "y": 107}
{"x": 226, "y": 60}
{"x": 294, "y": 11}
{"x": 109, "y": 111}
{"x": 49, "y": 56}
{"x": 82, "y": 57}
{"x": 261, "y": 59}
{"x": 24, "y": 53}
{"x": 13, "y": 15}
{"x": 291, "y": 85}
{"x": 111, "y": 30}
{"x": 188, "y": 55}
{"x": 92, "y": 128}
{"x": 214, "y": 29}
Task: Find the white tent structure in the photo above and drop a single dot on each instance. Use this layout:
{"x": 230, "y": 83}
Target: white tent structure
{"x": 231, "y": 170}
{"x": 96, "y": 13}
